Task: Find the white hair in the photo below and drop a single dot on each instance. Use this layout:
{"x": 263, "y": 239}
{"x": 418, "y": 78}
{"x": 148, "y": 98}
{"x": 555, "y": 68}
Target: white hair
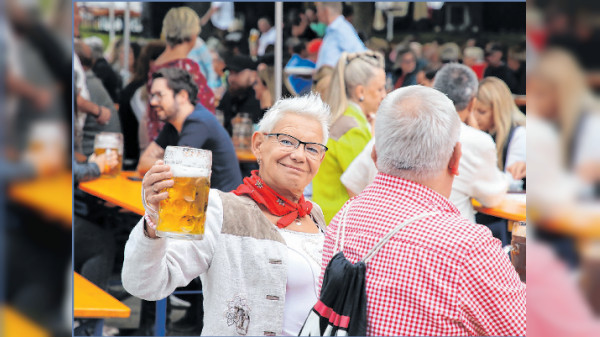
{"x": 309, "y": 105}
{"x": 416, "y": 130}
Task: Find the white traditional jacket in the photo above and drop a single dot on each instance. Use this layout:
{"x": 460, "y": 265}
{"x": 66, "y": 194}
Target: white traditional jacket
{"x": 242, "y": 262}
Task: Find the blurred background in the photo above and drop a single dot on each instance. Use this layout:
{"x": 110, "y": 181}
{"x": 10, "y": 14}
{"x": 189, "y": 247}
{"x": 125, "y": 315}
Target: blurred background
{"x": 563, "y": 81}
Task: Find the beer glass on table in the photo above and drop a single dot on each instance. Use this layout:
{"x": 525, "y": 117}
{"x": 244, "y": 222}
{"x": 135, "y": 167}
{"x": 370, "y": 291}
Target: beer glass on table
{"x": 106, "y": 142}
{"x": 518, "y": 249}
{"x": 183, "y": 213}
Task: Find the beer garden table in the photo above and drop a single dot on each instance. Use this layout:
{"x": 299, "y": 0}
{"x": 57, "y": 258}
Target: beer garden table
{"x": 93, "y": 302}
{"x": 120, "y": 191}
{"x": 245, "y": 156}
{"x": 512, "y": 208}
{"x": 17, "y": 325}
{"x": 51, "y": 196}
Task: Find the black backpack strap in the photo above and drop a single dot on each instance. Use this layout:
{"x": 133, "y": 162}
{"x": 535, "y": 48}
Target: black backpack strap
{"x": 506, "y": 143}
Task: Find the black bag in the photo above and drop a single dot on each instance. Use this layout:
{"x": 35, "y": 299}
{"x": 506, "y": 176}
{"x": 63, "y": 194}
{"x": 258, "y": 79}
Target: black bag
{"x": 342, "y": 308}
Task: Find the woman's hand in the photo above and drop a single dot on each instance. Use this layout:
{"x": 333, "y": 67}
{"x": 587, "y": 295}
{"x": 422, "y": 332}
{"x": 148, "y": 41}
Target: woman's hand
{"x": 518, "y": 170}
{"x": 155, "y": 180}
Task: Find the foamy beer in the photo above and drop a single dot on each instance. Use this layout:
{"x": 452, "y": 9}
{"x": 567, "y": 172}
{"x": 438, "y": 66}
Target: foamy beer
{"x": 105, "y": 142}
{"x": 182, "y": 214}
{"x": 519, "y": 249}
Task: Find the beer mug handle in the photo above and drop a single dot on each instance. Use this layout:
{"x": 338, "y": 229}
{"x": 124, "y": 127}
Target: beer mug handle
{"x": 508, "y": 248}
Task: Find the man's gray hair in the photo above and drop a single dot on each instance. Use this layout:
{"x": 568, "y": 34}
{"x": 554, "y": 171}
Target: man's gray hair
{"x": 310, "y": 106}
{"x": 458, "y": 82}
{"x": 96, "y": 45}
{"x": 416, "y": 130}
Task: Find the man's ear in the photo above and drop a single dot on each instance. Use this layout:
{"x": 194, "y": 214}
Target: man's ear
{"x": 455, "y": 159}
{"x": 182, "y": 96}
{"x": 374, "y": 156}
{"x": 471, "y": 104}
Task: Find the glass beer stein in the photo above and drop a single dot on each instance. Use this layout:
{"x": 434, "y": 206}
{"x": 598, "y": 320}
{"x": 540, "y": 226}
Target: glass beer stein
{"x": 105, "y": 142}
{"x": 183, "y": 213}
{"x": 518, "y": 249}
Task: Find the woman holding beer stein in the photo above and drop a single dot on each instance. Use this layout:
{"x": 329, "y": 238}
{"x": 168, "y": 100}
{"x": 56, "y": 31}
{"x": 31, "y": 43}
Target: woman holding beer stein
{"x": 260, "y": 256}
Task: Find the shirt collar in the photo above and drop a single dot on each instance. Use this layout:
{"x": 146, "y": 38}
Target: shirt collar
{"x": 421, "y": 194}
{"x": 336, "y": 23}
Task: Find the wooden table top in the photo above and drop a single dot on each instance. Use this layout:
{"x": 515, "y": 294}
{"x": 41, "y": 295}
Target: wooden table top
{"x": 245, "y": 156}
{"x": 51, "y": 196}
{"x": 93, "y": 302}
{"x": 581, "y": 220}
{"x": 119, "y": 190}
{"x": 17, "y": 325}
{"x": 513, "y": 207}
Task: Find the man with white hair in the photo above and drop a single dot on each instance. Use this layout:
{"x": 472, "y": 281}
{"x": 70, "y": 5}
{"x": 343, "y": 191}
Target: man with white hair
{"x": 441, "y": 274}
{"x": 479, "y": 176}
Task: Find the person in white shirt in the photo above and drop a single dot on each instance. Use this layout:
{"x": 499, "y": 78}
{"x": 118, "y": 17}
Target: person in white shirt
{"x": 221, "y": 15}
{"x": 267, "y": 37}
{"x": 479, "y": 176}
{"x": 498, "y": 115}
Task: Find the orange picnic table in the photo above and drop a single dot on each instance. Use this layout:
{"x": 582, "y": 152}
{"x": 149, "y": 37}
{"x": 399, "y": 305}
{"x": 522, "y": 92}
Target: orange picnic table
{"x": 120, "y": 191}
{"x": 17, "y": 325}
{"x": 51, "y": 196}
{"x": 581, "y": 220}
{"x": 512, "y": 208}
{"x": 245, "y": 156}
{"x": 93, "y": 302}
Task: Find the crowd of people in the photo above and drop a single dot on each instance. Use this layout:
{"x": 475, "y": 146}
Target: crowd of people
{"x": 398, "y": 130}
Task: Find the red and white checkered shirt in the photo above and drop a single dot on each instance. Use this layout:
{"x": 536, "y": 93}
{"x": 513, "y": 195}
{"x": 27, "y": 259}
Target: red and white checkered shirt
{"x": 438, "y": 276}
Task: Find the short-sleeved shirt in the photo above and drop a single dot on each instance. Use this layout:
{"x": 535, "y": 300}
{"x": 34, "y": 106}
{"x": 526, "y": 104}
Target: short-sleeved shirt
{"x": 347, "y": 138}
{"x": 202, "y": 130}
{"x": 340, "y": 37}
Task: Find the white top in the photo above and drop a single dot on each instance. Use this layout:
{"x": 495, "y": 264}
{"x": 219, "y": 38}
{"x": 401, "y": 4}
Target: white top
{"x": 478, "y": 173}
{"x": 517, "y": 148}
{"x": 265, "y": 40}
{"x": 82, "y": 90}
{"x": 304, "y": 268}
{"x": 517, "y": 152}
{"x": 222, "y": 18}
{"x": 588, "y": 140}
{"x": 138, "y": 105}
{"x": 361, "y": 171}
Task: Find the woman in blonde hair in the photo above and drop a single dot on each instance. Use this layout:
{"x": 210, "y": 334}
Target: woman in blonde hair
{"x": 497, "y": 114}
{"x": 180, "y": 28}
{"x": 357, "y": 88}
{"x": 557, "y": 92}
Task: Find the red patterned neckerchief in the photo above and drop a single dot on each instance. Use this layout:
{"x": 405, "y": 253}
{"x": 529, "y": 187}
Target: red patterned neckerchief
{"x": 256, "y": 189}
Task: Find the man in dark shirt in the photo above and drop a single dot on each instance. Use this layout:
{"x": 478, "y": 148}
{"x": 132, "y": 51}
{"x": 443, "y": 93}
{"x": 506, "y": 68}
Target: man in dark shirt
{"x": 496, "y": 67}
{"x": 240, "y": 96}
{"x": 173, "y": 97}
{"x": 110, "y": 79}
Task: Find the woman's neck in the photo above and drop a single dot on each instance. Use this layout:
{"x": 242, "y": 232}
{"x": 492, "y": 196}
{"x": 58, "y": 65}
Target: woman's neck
{"x": 293, "y": 197}
{"x": 177, "y": 52}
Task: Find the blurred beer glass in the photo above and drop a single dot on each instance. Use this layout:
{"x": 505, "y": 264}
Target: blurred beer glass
{"x": 182, "y": 214}
{"x": 519, "y": 249}
{"x": 105, "y": 142}
{"x": 590, "y": 273}
{"x": 46, "y": 145}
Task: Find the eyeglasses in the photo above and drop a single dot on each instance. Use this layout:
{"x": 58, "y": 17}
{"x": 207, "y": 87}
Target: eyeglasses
{"x": 157, "y": 95}
{"x": 290, "y": 143}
